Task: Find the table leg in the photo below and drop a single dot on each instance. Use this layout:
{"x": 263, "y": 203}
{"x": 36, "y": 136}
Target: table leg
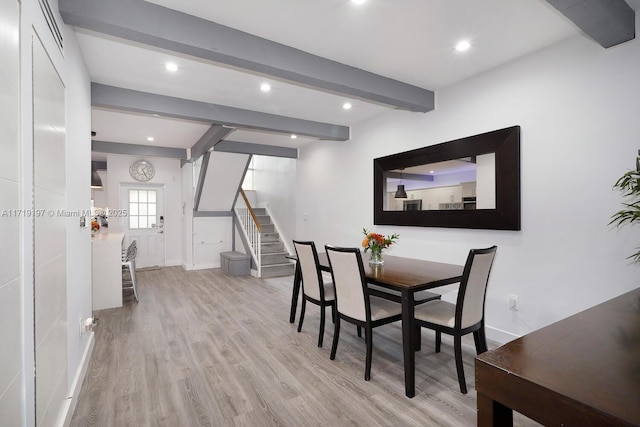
{"x": 492, "y": 413}
{"x": 408, "y": 345}
{"x": 297, "y": 278}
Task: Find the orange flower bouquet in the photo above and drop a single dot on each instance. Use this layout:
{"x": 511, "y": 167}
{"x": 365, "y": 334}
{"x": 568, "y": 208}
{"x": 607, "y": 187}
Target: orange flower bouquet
{"x": 376, "y": 243}
{"x": 95, "y": 226}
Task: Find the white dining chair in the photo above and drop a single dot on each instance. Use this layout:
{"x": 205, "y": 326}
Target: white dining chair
{"x": 467, "y": 314}
{"x": 354, "y": 304}
{"x": 314, "y": 288}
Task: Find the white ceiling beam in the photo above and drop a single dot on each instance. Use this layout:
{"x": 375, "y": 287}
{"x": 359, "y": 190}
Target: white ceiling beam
{"x": 154, "y": 25}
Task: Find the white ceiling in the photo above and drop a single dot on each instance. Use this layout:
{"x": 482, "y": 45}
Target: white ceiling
{"x": 408, "y": 40}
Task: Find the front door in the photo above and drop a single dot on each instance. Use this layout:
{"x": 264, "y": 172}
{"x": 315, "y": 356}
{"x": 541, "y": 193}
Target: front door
{"x": 145, "y": 223}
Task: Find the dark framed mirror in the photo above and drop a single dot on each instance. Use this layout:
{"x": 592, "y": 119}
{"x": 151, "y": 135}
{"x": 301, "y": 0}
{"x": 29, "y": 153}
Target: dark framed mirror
{"x": 472, "y": 182}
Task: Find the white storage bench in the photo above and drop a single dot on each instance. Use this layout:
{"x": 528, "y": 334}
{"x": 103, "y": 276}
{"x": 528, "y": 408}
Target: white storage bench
{"x": 235, "y": 263}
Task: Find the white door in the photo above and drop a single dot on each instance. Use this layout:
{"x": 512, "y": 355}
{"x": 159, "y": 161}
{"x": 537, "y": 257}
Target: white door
{"x": 145, "y": 223}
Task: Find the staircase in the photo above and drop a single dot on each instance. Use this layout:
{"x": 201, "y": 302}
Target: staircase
{"x": 273, "y": 253}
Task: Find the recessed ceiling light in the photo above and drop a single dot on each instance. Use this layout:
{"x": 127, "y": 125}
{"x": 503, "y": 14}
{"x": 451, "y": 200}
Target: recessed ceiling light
{"x": 294, "y": 136}
{"x": 265, "y": 87}
{"x": 463, "y": 45}
{"x": 171, "y": 66}
{"x": 358, "y": 1}
{"x": 347, "y": 106}
{"x": 150, "y": 139}
{"x": 431, "y": 171}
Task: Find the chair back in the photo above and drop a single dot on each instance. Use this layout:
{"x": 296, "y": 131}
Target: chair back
{"x": 312, "y": 283}
{"x": 473, "y": 287}
{"x": 132, "y": 251}
{"x": 347, "y": 271}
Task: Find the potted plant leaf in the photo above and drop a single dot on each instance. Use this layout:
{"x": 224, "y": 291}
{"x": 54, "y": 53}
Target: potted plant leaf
{"x": 629, "y": 185}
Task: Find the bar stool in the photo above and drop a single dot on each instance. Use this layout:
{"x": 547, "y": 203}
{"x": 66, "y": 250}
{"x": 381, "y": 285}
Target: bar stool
{"x": 129, "y": 263}
{"x": 124, "y": 251}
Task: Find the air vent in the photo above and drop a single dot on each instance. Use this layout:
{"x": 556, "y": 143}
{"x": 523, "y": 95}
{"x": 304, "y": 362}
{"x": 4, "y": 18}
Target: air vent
{"x": 51, "y": 22}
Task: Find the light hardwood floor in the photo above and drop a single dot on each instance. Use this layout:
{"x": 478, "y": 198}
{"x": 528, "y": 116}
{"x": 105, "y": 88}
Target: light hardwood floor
{"x": 202, "y": 348}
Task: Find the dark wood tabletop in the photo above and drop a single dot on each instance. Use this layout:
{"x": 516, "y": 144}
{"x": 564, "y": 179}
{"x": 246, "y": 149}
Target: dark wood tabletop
{"x": 582, "y": 371}
{"x": 407, "y": 273}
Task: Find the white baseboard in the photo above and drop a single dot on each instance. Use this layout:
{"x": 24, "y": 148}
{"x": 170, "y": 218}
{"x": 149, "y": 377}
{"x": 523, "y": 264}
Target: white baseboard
{"x": 201, "y": 266}
{"x": 499, "y": 336}
{"x": 173, "y": 263}
{"x": 78, "y": 380}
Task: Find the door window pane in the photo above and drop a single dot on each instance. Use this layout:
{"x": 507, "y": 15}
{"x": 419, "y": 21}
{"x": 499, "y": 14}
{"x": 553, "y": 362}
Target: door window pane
{"x": 142, "y": 208}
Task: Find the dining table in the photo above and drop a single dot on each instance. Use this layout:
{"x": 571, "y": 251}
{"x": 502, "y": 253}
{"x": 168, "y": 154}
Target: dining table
{"x": 407, "y": 276}
{"x": 583, "y": 370}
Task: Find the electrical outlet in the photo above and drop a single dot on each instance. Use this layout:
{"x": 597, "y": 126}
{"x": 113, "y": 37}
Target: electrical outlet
{"x": 86, "y": 325}
{"x": 513, "y": 302}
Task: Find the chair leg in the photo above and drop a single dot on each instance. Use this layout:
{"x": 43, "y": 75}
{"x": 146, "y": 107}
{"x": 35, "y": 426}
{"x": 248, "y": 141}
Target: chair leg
{"x": 321, "y": 333}
{"x": 457, "y": 349}
{"x": 359, "y": 332}
{"x": 476, "y": 340}
{"x": 132, "y": 271}
{"x": 482, "y": 337}
{"x": 336, "y": 333}
{"x": 333, "y": 312}
{"x": 369, "y": 341}
{"x": 417, "y": 338}
{"x": 438, "y": 341}
{"x": 302, "y": 308}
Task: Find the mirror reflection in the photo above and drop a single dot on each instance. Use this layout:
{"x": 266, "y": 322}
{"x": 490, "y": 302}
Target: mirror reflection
{"x": 467, "y": 183}
{"x": 471, "y": 182}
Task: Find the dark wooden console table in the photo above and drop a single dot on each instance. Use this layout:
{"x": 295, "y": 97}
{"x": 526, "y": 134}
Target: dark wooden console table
{"x": 581, "y": 371}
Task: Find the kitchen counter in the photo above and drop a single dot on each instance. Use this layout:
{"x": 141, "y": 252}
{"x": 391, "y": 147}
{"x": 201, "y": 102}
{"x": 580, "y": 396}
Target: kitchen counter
{"x": 106, "y": 270}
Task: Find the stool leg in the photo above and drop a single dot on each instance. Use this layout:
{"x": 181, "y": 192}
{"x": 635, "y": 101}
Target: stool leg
{"x": 132, "y": 266}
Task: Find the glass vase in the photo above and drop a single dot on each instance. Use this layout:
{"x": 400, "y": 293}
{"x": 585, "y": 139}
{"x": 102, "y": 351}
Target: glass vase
{"x": 375, "y": 258}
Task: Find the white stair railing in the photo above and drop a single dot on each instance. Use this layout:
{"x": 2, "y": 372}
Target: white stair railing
{"x": 250, "y": 228}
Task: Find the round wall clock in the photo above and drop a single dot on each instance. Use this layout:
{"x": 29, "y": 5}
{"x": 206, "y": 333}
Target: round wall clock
{"x": 142, "y": 170}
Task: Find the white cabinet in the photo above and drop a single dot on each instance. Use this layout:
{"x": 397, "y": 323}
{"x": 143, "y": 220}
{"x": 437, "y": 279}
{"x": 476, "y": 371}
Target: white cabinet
{"x": 468, "y": 189}
{"x": 210, "y": 237}
{"x": 106, "y": 270}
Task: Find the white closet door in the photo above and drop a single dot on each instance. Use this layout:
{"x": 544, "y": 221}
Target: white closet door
{"x": 50, "y": 279}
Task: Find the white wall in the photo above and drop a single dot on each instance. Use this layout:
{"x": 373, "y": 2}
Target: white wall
{"x": 23, "y": 26}
{"x": 186, "y": 207}
{"x": 11, "y": 351}
{"x": 78, "y": 130}
{"x": 275, "y": 185}
{"x": 578, "y": 107}
{"x": 99, "y": 195}
{"x": 169, "y": 176}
